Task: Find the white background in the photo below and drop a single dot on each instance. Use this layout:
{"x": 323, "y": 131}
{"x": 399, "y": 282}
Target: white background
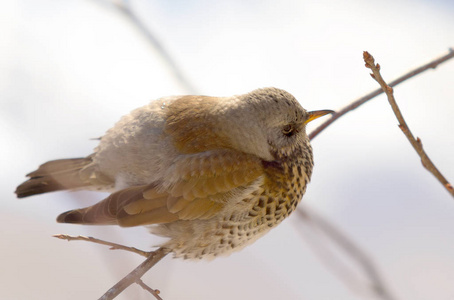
{"x": 70, "y": 69}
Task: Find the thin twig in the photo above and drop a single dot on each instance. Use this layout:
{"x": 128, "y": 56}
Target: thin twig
{"x": 378, "y": 287}
{"x": 125, "y": 8}
{"x": 153, "y": 257}
{"x": 416, "y": 143}
{"x": 431, "y": 65}
{"x": 155, "y": 293}
{"x": 113, "y": 246}
{"x": 135, "y": 274}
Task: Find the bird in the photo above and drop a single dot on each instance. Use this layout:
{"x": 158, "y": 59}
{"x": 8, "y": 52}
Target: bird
{"x": 211, "y": 174}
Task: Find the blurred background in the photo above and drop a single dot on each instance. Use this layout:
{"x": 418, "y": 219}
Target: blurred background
{"x": 70, "y": 69}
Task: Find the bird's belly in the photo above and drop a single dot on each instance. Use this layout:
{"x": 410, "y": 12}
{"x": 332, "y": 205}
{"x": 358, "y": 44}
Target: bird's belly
{"x": 236, "y": 227}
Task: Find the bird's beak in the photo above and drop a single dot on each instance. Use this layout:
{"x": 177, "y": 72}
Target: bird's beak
{"x": 312, "y": 115}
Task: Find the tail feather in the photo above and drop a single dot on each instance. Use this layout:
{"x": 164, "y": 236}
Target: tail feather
{"x": 54, "y": 175}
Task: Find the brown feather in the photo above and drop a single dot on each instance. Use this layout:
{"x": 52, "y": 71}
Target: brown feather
{"x": 203, "y": 179}
{"x": 190, "y": 122}
{"x": 155, "y": 216}
{"x": 176, "y": 204}
{"x": 104, "y": 212}
{"x": 198, "y": 194}
{"x": 143, "y": 205}
{"x": 54, "y": 175}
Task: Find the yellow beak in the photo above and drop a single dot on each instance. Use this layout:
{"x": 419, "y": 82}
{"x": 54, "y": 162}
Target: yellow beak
{"x": 312, "y": 115}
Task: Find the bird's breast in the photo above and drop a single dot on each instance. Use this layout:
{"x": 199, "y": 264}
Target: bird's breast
{"x": 283, "y": 188}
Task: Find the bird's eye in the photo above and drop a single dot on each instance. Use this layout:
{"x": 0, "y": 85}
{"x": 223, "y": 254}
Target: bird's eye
{"x": 288, "y": 130}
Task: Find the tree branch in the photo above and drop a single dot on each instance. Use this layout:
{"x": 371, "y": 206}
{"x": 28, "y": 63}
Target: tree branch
{"x": 416, "y": 143}
{"x": 155, "y": 293}
{"x": 320, "y": 224}
{"x": 135, "y": 274}
{"x": 125, "y": 8}
{"x": 153, "y": 257}
{"x": 431, "y": 65}
{"x": 113, "y": 246}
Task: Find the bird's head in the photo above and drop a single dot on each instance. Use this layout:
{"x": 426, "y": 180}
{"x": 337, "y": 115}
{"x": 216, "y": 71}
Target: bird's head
{"x": 270, "y": 123}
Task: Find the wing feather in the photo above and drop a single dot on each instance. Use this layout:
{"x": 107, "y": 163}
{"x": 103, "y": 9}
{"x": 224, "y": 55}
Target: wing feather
{"x": 197, "y": 187}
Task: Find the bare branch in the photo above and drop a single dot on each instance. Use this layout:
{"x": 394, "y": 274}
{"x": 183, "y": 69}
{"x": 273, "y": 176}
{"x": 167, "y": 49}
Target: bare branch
{"x": 431, "y": 65}
{"x": 320, "y": 224}
{"x": 155, "y": 293}
{"x": 416, "y": 143}
{"x": 125, "y": 8}
{"x": 153, "y": 257}
{"x": 113, "y": 246}
{"x": 135, "y": 274}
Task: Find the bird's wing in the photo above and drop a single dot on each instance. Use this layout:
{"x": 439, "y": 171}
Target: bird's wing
{"x": 197, "y": 187}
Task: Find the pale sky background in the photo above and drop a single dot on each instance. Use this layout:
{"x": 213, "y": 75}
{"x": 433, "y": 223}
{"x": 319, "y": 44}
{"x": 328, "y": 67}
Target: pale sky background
{"x": 70, "y": 69}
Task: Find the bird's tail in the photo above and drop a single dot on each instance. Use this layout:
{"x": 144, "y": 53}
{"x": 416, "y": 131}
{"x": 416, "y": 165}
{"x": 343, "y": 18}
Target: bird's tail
{"x": 55, "y": 175}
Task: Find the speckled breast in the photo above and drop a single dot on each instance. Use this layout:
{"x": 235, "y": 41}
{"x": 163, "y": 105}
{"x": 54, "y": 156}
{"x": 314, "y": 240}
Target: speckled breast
{"x": 282, "y": 190}
{"x": 274, "y": 199}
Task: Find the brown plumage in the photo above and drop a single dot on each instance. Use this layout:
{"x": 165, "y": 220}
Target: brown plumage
{"x": 211, "y": 174}
{"x": 54, "y": 176}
